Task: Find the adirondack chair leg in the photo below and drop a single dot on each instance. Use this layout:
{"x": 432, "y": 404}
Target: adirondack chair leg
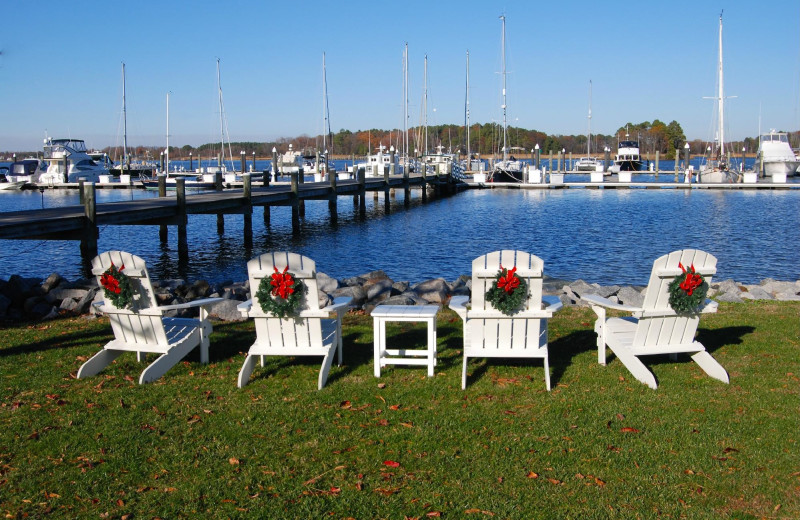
{"x": 327, "y": 361}
{"x": 464, "y": 374}
{"x": 636, "y": 368}
{"x": 247, "y": 370}
{"x": 711, "y": 366}
{"x": 600, "y": 329}
{"x": 205, "y": 330}
{"x": 547, "y": 373}
{"x": 160, "y": 366}
{"x": 141, "y": 357}
{"x": 98, "y": 362}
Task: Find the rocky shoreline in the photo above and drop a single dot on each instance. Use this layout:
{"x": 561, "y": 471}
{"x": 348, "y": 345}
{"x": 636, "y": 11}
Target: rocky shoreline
{"x": 32, "y": 299}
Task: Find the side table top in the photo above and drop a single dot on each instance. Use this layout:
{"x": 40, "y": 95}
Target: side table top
{"x": 405, "y": 311}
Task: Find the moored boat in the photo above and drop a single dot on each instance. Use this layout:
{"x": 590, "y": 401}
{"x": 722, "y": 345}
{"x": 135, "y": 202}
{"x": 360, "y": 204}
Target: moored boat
{"x": 776, "y": 155}
{"x": 508, "y": 169}
{"x": 68, "y": 161}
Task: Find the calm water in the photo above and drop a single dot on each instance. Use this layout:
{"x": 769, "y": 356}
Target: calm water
{"x": 604, "y": 236}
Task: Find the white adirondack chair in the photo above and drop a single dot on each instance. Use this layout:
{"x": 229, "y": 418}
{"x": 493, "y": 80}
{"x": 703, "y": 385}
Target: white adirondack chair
{"x": 142, "y": 328}
{"x": 655, "y": 328}
{"x": 490, "y": 333}
{"x": 308, "y": 334}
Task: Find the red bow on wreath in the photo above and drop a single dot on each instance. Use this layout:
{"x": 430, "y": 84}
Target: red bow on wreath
{"x": 509, "y": 282}
{"x": 692, "y": 281}
{"x": 109, "y": 282}
{"x": 282, "y": 283}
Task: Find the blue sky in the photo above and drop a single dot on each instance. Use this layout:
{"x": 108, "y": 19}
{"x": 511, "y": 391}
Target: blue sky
{"x": 60, "y": 67}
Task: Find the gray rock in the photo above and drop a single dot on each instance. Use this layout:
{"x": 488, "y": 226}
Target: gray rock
{"x": 580, "y": 288}
{"x": 607, "y": 291}
{"x": 787, "y": 297}
{"x": 354, "y": 281}
{"x": 729, "y": 297}
{"x": 433, "y": 291}
{"x": 569, "y": 293}
{"x": 399, "y": 288}
{"x": 226, "y": 310}
{"x": 755, "y": 292}
{"x": 728, "y": 286}
{"x": 415, "y": 298}
{"x": 357, "y": 293}
{"x": 378, "y": 290}
{"x": 326, "y": 284}
{"x": 68, "y": 304}
{"x": 399, "y": 300}
{"x": 62, "y": 293}
{"x": 630, "y": 296}
{"x": 566, "y": 300}
{"x": 51, "y": 282}
{"x": 774, "y": 287}
{"x": 83, "y": 304}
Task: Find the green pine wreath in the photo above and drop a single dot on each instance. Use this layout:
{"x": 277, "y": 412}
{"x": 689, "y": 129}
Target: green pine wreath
{"x": 687, "y": 291}
{"x": 281, "y": 294}
{"x": 117, "y": 286}
{"x": 508, "y": 293}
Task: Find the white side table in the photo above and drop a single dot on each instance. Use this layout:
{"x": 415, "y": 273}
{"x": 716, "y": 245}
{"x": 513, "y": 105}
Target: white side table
{"x": 418, "y": 313}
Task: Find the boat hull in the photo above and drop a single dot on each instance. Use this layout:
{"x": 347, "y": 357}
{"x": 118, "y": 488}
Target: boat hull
{"x": 788, "y": 168}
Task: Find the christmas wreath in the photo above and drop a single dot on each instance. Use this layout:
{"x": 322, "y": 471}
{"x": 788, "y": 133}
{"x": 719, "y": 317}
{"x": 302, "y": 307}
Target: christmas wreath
{"x": 281, "y": 294}
{"x": 687, "y": 291}
{"x": 117, "y": 286}
{"x": 508, "y": 292}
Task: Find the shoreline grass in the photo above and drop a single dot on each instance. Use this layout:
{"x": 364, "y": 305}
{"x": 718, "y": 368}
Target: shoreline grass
{"x": 600, "y": 445}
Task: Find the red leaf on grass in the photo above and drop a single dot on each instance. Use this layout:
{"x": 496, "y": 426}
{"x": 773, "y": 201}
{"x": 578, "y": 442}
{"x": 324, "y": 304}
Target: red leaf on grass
{"x": 628, "y": 429}
{"x": 391, "y": 463}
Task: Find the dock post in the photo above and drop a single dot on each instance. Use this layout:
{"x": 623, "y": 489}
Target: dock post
{"x": 218, "y": 180}
{"x": 406, "y": 186}
{"x": 424, "y": 173}
{"x": 295, "y": 202}
{"x": 677, "y": 162}
{"x": 362, "y": 203}
{"x": 568, "y": 166}
{"x": 686, "y": 165}
{"x": 191, "y": 169}
{"x": 274, "y": 165}
{"x": 244, "y": 161}
{"x": 391, "y": 160}
{"x": 183, "y": 243}
{"x": 247, "y": 192}
{"x": 162, "y": 192}
{"x": 253, "y": 168}
{"x": 657, "y": 158}
{"x": 220, "y": 224}
{"x": 81, "y": 196}
{"x": 301, "y": 204}
{"x": 333, "y": 197}
{"x": 90, "y": 235}
{"x": 538, "y": 162}
{"x": 606, "y": 158}
{"x": 743, "y": 158}
{"x": 550, "y": 163}
{"x": 558, "y": 169}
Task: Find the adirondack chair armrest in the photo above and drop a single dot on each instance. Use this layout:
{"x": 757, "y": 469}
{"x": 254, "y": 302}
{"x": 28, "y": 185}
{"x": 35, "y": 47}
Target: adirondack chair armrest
{"x": 709, "y": 306}
{"x": 598, "y": 300}
{"x": 188, "y": 305}
{"x": 495, "y": 314}
{"x": 245, "y": 307}
{"x": 552, "y": 303}
{"x": 343, "y": 302}
{"x": 459, "y": 305}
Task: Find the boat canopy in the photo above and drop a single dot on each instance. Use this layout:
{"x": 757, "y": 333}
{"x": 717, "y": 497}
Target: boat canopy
{"x": 629, "y": 144}
{"x": 77, "y": 145}
{"x": 775, "y": 136}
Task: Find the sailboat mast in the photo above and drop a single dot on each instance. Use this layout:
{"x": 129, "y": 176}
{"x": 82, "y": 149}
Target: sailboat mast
{"x": 124, "y": 122}
{"x": 405, "y": 107}
{"x": 466, "y": 116}
{"x": 505, "y": 125}
{"x": 166, "y": 164}
{"x": 589, "y": 136}
{"x": 720, "y": 95}
{"x": 425, "y": 108}
{"x": 221, "y": 125}
{"x": 325, "y": 113}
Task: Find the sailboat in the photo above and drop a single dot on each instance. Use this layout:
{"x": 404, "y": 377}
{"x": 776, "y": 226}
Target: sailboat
{"x": 508, "y": 169}
{"x": 127, "y": 167}
{"x": 321, "y": 166}
{"x": 588, "y": 163}
{"x": 717, "y": 170}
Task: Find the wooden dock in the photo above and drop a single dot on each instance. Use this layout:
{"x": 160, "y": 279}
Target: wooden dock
{"x": 83, "y": 222}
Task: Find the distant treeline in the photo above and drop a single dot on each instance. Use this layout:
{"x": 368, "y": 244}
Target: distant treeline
{"x": 485, "y": 139}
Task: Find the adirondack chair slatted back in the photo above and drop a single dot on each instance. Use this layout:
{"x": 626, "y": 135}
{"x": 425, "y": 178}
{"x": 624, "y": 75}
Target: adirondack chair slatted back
{"x": 498, "y": 331}
{"x": 140, "y": 324}
{"x": 659, "y": 324}
{"x": 292, "y": 333}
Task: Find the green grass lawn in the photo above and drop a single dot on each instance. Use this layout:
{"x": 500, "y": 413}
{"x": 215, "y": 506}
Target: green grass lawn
{"x": 600, "y": 445}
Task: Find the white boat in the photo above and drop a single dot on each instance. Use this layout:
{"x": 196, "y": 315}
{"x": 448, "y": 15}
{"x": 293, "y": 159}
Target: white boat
{"x": 289, "y": 162}
{"x": 589, "y": 163}
{"x": 69, "y": 161}
{"x": 381, "y": 162}
{"x": 25, "y": 171}
{"x": 716, "y": 168}
{"x": 508, "y": 169}
{"x": 776, "y": 155}
{"x": 627, "y": 158}
{"x": 6, "y": 183}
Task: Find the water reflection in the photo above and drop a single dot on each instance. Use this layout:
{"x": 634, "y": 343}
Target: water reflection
{"x": 606, "y": 236}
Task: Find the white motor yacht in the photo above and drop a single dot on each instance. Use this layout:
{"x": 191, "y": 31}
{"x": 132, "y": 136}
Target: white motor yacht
{"x": 69, "y": 161}
{"x": 776, "y": 155}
